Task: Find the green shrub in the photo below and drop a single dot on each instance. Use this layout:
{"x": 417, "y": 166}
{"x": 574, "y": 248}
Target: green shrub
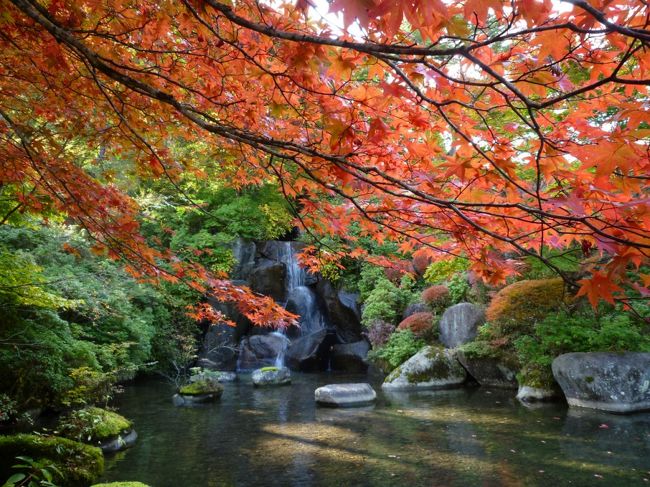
{"x": 93, "y": 425}
{"x": 458, "y": 288}
{"x": 401, "y": 345}
{"x": 566, "y": 260}
{"x": 562, "y": 333}
{"x": 443, "y": 270}
{"x": 79, "y": 464}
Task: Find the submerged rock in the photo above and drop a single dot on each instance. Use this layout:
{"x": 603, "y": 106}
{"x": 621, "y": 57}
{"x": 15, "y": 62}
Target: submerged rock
{"x": 489, "y": 371}
{"x": 351, "y": 357}
{"x": 120, "y": 442}
{"x": 345, "y": 395}
{"x": 430, "y": 368}
{"x": 528, "y": 394}
{"x": 271, "y": 376}
{"x": 459, "y": 324}
{"x": 614, "y": 382}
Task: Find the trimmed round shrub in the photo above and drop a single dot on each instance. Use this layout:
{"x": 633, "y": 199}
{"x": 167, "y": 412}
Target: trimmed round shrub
{"x": 419, "y": 323}
{"x": 526, "y": 302}
{"x": 437, "y": 297}
{"x": 79, "y": 464}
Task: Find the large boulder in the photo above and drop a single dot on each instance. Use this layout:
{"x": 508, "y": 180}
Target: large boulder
{"x": 345, "y": 395}
{"x": 459, "y": 324}
{"x": 219, "y": 348}
{"x": 303, "y": 353}
{"x": 262, "y": 350}
{"x": 268, "y": 278}
{"x": 271, "y": 376}
{"x": 614, "y": 382}
{"x": 342, "y": 311}
{"x": 351, "y": 357}
{"x": 489, "y": 371}
{"x": 430, "y": 368}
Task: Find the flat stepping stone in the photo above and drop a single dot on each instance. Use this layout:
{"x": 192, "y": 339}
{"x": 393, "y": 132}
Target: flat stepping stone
{"x": 345, "y": 395}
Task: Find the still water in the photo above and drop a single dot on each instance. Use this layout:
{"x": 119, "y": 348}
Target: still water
{"x": 463, "y": 437}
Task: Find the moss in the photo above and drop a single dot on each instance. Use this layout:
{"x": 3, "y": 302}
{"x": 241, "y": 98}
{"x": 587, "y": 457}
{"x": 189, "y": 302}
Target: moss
{"x": 439, "y": 369}
{"x": 269, "y": 369}
{"x": 479, "y": 349}
{"x": 201, "y": 387}
{"x": 79, "y": 464}
{"x": 92, "y": 425}
{"x": 121, "y": 484}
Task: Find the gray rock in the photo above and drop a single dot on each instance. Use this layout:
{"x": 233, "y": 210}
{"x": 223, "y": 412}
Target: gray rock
{"x": 244, "y": 254}
{"x": 413, "y": 308}
{"x": 214, "y": 375}
{"x": 303, "y": 351}
{"x": 613, "y": 382}
{"x": 488, "y": 371}
{"x": 430, "y": 368}
{"x": 261, "y": 350}
{"x": 345, "y": 395}
{"x": 459, "y": 324}
{"x": 184, "y": 400}
{"x": 341, "y": 310}
{"x": 351, "y": 357}
{"x": 528, "y": 394}
{"x": 219, "y": 348}
{"x": 271, "y": 376}
{"x": 268, "y": 278}
{"x": 120, "y": 442}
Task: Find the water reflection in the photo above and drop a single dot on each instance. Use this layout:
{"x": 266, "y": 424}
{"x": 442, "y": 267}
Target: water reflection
{"x": 462, "y": 437}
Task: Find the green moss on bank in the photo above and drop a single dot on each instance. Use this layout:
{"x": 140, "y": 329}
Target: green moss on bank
{"x": 93, "y": 425}
{"x": 79, "y": 464}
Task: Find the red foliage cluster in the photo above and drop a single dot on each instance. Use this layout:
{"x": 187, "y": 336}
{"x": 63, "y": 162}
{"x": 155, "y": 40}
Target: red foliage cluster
{"x": 436, "y": 295}
{"x": 418, "y": 323}
{"x": 421, "y": 260}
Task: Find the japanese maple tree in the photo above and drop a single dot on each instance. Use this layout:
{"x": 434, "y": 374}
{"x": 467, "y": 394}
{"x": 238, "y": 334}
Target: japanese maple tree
{"x": 468, "y": 128}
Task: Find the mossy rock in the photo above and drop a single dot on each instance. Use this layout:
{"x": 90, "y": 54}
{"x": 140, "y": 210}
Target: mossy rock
{"x": 200, "y": 388}
{"x": 430, "y": 368}
{"x": 93, "y": 425}
{"x": 269, "y": 369}
{"x": 121, "y": 484}
{"x": 80, "y": 464}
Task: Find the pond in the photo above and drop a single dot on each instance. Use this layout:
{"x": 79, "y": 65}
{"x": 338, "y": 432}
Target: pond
{"x": 463, "y": 437}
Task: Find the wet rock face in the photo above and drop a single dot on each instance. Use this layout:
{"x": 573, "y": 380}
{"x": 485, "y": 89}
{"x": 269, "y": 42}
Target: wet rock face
{"x": 350, "y": 357}
{"x": 345, "y": 395}
{"x": 430, "y": 368}
{"x": 459, "y": 324}
{"x": 488, "y": 371}
{"x": 268, "y": 278}
{"x": 614, "y": 382}
{"x": 303, "y": 351}
{"x": 271, "y": 376}
{"x": 342, "y": 311}
{"x": 219, "y": 348}
{"x": 261, "y": 350}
